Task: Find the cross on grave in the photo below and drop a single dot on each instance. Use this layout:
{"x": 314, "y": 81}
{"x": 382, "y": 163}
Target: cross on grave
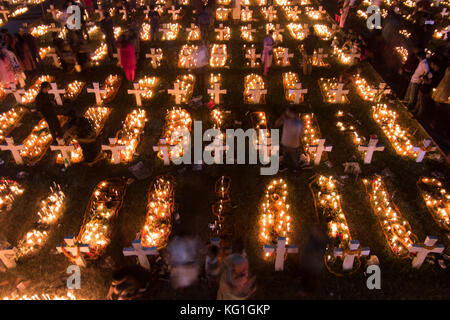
{"x": 64, "y": 149}
{"x": 295, "y": 10}
{"x": 218, "y": 148}
{"x": 271, "y": 12}
{"x": 123, "y": 11}
{"x": 353, "y": 54}
{"x": 221, "y": 30}
{"x": 174, "y": 12}
{"x": 97, "y": 91}
{"x": 257, "y": 92}
{"x": 115, "y": 149}
{"x": 14, "y": 149}
{"x": 53, "y": 11}
{"x": 4, "y": 12}
{"x": 370, "y": 149}
{"x": 219, "y": 54}
{"x": 422, "y": 250}
{"x": 298, "y": 92}
{"x": 339, "y": 92}
{"x": 16, "y": 92}
{"x": 350, "y": 254}
{"x": 99, "y": 11}
{"x": 277, "y": 31}
{"x": 252, "y": 56}
{"x": 383, "y": 89}
{"x": 141, "y": 252}
{"x": 191, "y": 28}
{"x": 8, "y": 257}
{"x": 286, "y": 56}
{"x": 423, "y": 149}
{"x": 165, "y": 28}
{"x": 319, "y": 149}
{"x": 57, "y": 93}
{"x": 319, "y": 55}
{"x": 165, "y": 149}
{"x": 444, "y": 12}
{"x": 306, "y": 29}
{"x": 137, "y": 93}
{"x": 445, "y": 32}
{"x": 154, "y": 56}
{"x": 177, "y": 92}
{"x": 217, "y": 92}
{"x": 74, "y": 250}
{"x": 281, "y": 252}
{"x": 249, "y": 29}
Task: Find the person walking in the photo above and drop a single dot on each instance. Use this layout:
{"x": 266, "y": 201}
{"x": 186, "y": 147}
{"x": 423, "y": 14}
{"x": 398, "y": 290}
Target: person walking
{"x": 46, "y": 106}
{"x": 154, "y": 17}
{"x": 127, "y": 57}
{"x": 309, "y": 44}
{"x": 268, "y": 51}
{"x": 107, "y": 27}
{"x": 417, "y": 78}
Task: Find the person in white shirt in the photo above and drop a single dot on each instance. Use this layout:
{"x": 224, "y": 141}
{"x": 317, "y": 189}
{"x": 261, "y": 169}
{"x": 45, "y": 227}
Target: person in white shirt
{"x": 416, "y": 79}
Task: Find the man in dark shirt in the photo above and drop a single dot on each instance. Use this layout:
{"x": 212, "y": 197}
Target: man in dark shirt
{"x": 153, "y": 15}
{"x": 46, "y": 106}
{"x": 309, "y": 44}
{"x": 107, "y": 27}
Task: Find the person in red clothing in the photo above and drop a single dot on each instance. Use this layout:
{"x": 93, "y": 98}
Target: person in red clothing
{"x": 127, "y": 57}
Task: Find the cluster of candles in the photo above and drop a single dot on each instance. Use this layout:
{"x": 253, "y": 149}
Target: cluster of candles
{"x": 218, "y": 57}
{"x": 402, "y": 52}
{"x": 145, "y": 32}
{"x": 74, "y": 89}
{"x": 395, "y": 228}
{"x": 224, "y": 2}
{"x": 50, "y": 210}
{"x": 117, "y": 32}
{"x": 9, "y": 120}
{"x": 297, "y": 31}
{"x": 219, "y": 210}
{"x": 186, "y": 82}
{"x": 311, "y": 133}
{"x": 347, "y": 125}
{"x": 259, "y": 122}
{"x": 364, "y": 90}
{"x": 9, "y": 190}
{"x": 31, "y": 94}
{"x": 186, "y": 57}
{"x": 177, "y": 120}
{"x": 130, "y": 133}
{"x": 251, "y": 82}
{"x": 405, "y": 33}
{"x": 111, "y": 87}
{"x": 19, "y": 11}
{"x": 213, "y": 79}
{"x": 104, "y": 205}
{"x": 326, "y": 87}
{"x": 99, "y": 54}
{"x": 246, "y": 15}
{"x": 278, "y": 57}
{"x": 222, "y": 13}
{"x": 313, "y": 13}
{"x": 290, "y": 13}
{"x": 170, "y": 31}
{"x": 362, "y": 14}
{"x": 275, "y": 219}
{"x": 246, "y": 34}
{"x": 290, "y": 80}
{"x": 40, "y": 30}
{"x": 194, "y": 33}
{"x": 248, "y": 52}
{"x": 387, "y": 119}
{"x": 323, "y": 31}
{"x": 158, "y": 223}
{"x": 438, "y": 34}
{"x": 277, "y": 36}
{"x": 437, "y": 200}
{"x": 342, "y": 56}
{"x": 269, "y": 13}
{"x": 148, "y": 84}
{"x": 315, "y": 60}
{"x": 226, "y": 34}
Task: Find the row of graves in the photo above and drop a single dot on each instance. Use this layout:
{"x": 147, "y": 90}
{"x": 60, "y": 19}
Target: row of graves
{"x": 15, "y": 9}
{"x": 372, "y": 176}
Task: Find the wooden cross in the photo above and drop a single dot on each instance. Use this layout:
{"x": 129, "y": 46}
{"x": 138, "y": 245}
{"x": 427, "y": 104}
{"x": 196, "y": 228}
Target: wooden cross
{"x": 154, "y": 56}
{"x": 8, "y": 257}
{"x": 319, "y": 56}
{"x": 53, "y": 11}
{"x": 99, "y": 11}
{"x": 271, "y": 12}
{"x": 64, "y": 149}
{"x": 97, "y": 91}
{"x": 281, "y": 252}
{"x": 422, "y": 250}
{"x": 16, "y": 92}
{"x": 137, "y": 92}
{"x": 15, "y": 150}
{"x": 423, "y": 149}
{"x": 75, "y": 250}
{"x": 141, "y": 252}
{"x": 252, "y": 56}
{"x": 319, "y": 149}
{"x": 165, "y": 149}
{"x": 370, "y": 149}
{"x": 174, "y": 12}
{"x": 217, "y": 92}
{"x": 286, "y": 56}
{"x": 177, "y": 92}
{"x": 350, "y": 254}
{"x": 115, "y": 149}
{"x": 339, "y": 92}
{"x": 57, "y": 93}
{"x": 4, "y": 12}
{"x": 298, "y": 92}
{"x": 257, "y": 92}
{"x": 218, "y": 148}
{"x": 221, "y": 30}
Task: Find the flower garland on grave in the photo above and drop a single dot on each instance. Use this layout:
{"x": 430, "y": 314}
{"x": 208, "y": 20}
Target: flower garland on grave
{"x": 186, "y": 57}
{"x": 31, "y": 94}
{"x": 311, "y": 134}
{"x": 104, "y": 205}
{"x": 9, "y": 120}
{"x": 50, "y": 210}
{"x": 130, "y": 134}
{"x": 396, "y": 229}
{"x": 9, "y": 190}
{"x": 275, "y": 220}
{"x": 222, "y": 13}
{"x": 219, "y": 55}
{"x": 158, "y": 222}
{"x": 436, "y": 199}
{"x": 327, "y": 205}
{"x": 111, "y": 86}
{"x": 149, "y": 84}
{"x": 297, "y": 31}
{"x": 326, "y": 85}
{"x": 250, "y": 83}
{"x": 73, "y": 90}
{"x": 290, "y": 80}
{"x": 221, "y": 210}
{"x": 177, "y": 119}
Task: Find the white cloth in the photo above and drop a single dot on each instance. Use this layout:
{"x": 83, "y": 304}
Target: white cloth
{"x": 422, "y": 69}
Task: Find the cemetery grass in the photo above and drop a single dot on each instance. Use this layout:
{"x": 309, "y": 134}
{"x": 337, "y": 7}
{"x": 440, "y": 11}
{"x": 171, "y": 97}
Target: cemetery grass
{"x": 194, "y": 191}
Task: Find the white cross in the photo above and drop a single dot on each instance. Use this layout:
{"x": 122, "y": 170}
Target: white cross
{"x": 277, "y": 31}
{"x": 154, "y": 56}
{"x": 57, "y": 93}
{"x": 192, "y": 27}
{"x": 339, "y": 92}
{"x": 445, "y": 32}
{"x": 281, "y": 252}
{"x": 73, "y": 248}
{"x": 319, "y": 56}
{"x": 423, "y": 250}
{"x": 53, "y": 11}
{"x": 177, "y": 92}
{"x": 252, "y": 56}
{"x": 174, "y": 12}
{"x": 64, "y": 149}
{"x": 99, "y": 11}
{"x": 257, "y": 92}
{"x": 141, "y": 252}
{"x": 217, "y": 92}
{"x": 319, "y": 149}
{"x": 165, "y": 149}
{"x": 286, "y": 56}
{"x": 4, "y": 12}
{"x": 16, "y": 92}
{"x": 271, "y": 12}
{"x": 218, "y": 148}
{"x": 137, "y": 92}
{"x": 97, "y": 91}
{"x": 15, "y": 150}
{"x": 444, "y": 12}
{"x": 350, "y": 254}
{"x": 8, "y": 257}
{"x": 221, "y": 30}
{"x": 425, "y": 144}
{"x": 298, "y": 92}
{"x": 383, "y": 89}
{"x": 115, "y": 149}
{"x": 370, "y": 149}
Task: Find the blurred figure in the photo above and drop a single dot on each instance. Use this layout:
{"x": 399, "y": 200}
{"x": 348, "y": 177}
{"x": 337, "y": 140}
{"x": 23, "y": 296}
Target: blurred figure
{"x": 24, "y": 54}
{"x": 154, "y": 17}
{"x": 236, "y": 13}
{"x": 126, "y": 285}
{"x": 212, "y": 265}
{"x": 107, "y": 27}
{"x": 6, "y": 73}
{"x": 7, "y": 40}
{"x": 135, "y": 32}
{"x": 127, "y": 57}
{"x": 204, "y": 22}
{"x": 201, "y": 63}
{"x": 417, "y": 78}
{"x": 268, "y": 51}
{"x": 429, "y": 81}
{"x": 235, "y": 280}
{"x": 14, "y": 64}
{"x": 32, "y": 44}
{"x": 46, "y": 106}
{"x": 309, "y": 44}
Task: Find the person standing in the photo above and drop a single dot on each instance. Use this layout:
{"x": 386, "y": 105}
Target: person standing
{"x": 204, "y": 21}
{"x": 24, "y": 54}
{"x": 212, "y": 265}
{"x": 416, "y": 79}
{"x": 107, "y": 27}
{"x": 19, "y": 75}
{"x": 290, "y": 138}
{"x": 154, "y": 17}
{"x": 127, "y": 57}
{"x": 268, "y": 51}
{"x": 6, "y": 73}
{"x": 46, "y": 107}
{"x": 309, "y": 44}
{"x": 32, "y": 44}
{"x": 202, "y": 61}
{"x": 135, "y": 31}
